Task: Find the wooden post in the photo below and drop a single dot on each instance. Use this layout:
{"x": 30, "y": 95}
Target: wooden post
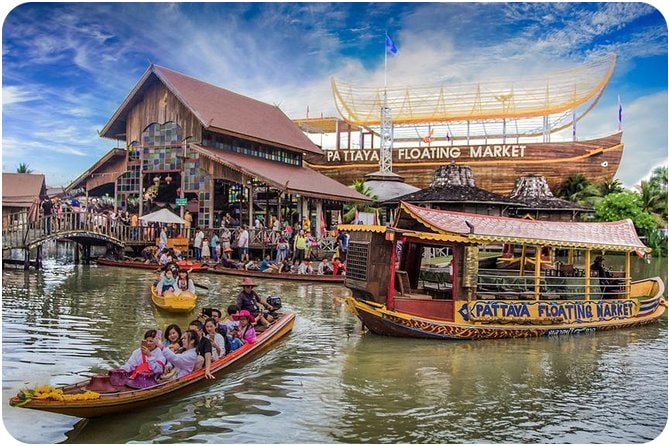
{"x": 26, "y": 258}
{"x": 587, "y": 274}
{"x": 76, "y": 253}
{"x": 537, "y": 272}
{"x": 628, "y": 271}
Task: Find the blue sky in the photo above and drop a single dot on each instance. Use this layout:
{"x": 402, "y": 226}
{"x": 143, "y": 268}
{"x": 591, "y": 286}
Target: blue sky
{"x": 67, "y": 67}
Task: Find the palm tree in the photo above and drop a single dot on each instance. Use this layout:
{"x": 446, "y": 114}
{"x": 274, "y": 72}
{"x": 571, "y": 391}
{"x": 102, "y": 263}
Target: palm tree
{"x": 653, "y": 201}
{"x": 350, "y": 209}
{"x": 578, "y": 189}
{"x": 659, "y": 178}
{"x": 612, "y": 186}
{"x": 23, "y": 168}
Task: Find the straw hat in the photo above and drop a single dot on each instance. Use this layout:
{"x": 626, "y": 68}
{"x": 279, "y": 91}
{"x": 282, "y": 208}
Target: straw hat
{"x": 101, "y": 384}
{"x": 247, "y": 281}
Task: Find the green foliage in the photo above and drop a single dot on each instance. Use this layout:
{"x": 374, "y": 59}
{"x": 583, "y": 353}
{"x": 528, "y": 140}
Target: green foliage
{"x": 23, "y": 168}
{"x": 624, "y": 205}
{"x": 349, "y": 209}
{"x": 578, "y": 189}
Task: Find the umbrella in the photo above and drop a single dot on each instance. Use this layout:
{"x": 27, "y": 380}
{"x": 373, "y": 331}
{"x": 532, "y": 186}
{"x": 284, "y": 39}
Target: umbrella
{"x": 163, "y": 216}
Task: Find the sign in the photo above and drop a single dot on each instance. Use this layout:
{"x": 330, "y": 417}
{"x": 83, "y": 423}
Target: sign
{"x": 182, "y": 201}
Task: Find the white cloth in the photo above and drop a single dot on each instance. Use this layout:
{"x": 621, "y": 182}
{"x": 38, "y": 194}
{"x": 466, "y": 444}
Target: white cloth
{"x": 218, "y": 340}
{"x": 156, "y": 361}
{"x": 184, "y": 362}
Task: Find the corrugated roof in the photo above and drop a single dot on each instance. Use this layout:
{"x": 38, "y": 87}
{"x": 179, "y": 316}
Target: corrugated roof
{"x": 21, "y": 189}
{"x": 221, "y": 110}
{"x": 619, "y": 235}
{"x": 295, "y": 179}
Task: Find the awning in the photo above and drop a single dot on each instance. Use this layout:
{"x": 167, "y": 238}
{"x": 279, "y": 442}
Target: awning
{"x": 283, "y": 177}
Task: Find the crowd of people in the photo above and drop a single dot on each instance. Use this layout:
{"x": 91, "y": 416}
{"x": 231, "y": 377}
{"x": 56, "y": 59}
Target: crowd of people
{"x": 177, "y": 352}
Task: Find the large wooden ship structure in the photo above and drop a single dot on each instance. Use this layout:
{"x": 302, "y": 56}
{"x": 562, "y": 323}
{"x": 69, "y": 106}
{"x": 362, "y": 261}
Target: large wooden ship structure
{"x": 501, "y": 129}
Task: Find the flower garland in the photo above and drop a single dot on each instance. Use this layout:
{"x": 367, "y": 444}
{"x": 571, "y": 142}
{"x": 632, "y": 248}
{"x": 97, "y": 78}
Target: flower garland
{"x": 46, "y": 392}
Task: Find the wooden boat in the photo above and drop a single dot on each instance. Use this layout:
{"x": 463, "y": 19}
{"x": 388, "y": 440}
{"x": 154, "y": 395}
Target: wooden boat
{"x": 393, "y": 296}
{"x": 276, "y": 276}
{"x": 127, "y": 399}
{"x": 188, "y": 265}
{"x": 184, "y": 302}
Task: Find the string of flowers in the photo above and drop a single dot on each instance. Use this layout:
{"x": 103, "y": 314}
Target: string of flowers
{"x": 46, "y": 392}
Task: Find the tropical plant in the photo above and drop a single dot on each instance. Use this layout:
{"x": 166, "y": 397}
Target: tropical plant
{"x": 23, "y": 168}
{"x": 612, "y": 186}
{"x": 624, "y": 205}
{"x": 351, "y": 208}
{"x": 653, "y": 201}
{"x": 578, "y": 189}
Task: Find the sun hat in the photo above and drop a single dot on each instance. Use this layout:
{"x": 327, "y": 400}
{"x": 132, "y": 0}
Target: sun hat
{"x": 247, "y": 281}
{"x": 244, "y": 313}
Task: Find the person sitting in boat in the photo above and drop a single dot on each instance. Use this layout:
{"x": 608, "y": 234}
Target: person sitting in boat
{"x": 305, "y": 267}
{"x": 165, "y": 257}
{"x": 230, "y": 326}
{"x": 150, "y": 254}
{"x": 184, "y": 283}
{"x": 603, "y": 274}
{"x": 267, "y": 266}
{"x": 226, "y": 259}
{"x": 203, "y": 348}
{"x": 173, "y": 337}
{"x": 249, "y": 300}
{"x": 218, "y": 344}
{"x": 184, "y": 360}
{"x": 338, "y": 268}
{"x": 245, "y": 333}
{"x": 166, "y": 283}
{"x": 253, "y": 265}
{"x": 287, "y": 266}
{"x": 147, "y": 358}
{"x": 324, "y": 267}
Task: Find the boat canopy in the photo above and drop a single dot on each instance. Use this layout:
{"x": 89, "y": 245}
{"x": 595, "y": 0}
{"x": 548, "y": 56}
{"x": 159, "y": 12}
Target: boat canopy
{"x": 434, "y": 224}
{"x": 555, "y": 93}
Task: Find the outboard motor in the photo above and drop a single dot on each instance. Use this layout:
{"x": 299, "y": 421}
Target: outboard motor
{"x": 274, "y": 301}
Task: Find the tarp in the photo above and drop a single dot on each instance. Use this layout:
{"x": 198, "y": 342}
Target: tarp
{"x": 163, "y": 216}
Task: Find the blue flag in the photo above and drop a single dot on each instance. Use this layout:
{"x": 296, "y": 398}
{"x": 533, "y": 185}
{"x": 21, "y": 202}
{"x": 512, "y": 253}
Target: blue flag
{"x": 390, "y": 46}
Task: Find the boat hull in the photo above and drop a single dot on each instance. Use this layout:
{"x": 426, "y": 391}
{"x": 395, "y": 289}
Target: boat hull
{"x": 125, "y": 401}
{"x": 185, "y": 302}
{"x": 382, "y": 321}
{"x": 496, "y": 167}
{"x": 192, "y": 266}
{"x": 277, "y": 276}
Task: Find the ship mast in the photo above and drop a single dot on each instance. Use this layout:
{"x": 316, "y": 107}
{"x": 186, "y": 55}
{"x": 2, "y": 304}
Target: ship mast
{"x": 386, "y": 155}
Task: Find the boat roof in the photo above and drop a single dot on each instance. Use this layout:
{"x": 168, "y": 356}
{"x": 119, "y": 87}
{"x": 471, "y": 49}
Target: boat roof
{"x": 434, "y": 224}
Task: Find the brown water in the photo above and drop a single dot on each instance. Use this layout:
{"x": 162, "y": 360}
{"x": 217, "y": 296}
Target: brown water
{"x": 327, "y": 382}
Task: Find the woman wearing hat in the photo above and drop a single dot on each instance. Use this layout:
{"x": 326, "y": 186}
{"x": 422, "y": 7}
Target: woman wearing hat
{"x": 248, "y": 300}
{"x": 246, "y": 333}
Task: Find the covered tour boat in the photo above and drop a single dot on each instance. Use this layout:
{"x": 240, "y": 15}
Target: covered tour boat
{"x": 80, "y": 401}
{"x": 395, "y": 294}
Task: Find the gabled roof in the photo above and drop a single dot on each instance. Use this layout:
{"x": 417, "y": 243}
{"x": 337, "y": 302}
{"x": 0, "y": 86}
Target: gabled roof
{"x": 218, "y": 110}
{"x": 109, "y": 158}
{"x": 616, "y": 236}
{"x": 21, "y": 189}
{"x": 295, "y": 179}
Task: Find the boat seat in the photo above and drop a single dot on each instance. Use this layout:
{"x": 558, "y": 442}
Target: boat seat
{"x": 403, "y": 282}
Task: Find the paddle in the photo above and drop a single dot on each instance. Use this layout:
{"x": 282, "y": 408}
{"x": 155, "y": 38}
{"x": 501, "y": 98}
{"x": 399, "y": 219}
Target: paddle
{"x": 201, "y": 286}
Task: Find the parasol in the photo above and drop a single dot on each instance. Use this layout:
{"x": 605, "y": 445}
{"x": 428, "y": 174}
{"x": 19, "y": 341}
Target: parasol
{"x": 163, "y": 216}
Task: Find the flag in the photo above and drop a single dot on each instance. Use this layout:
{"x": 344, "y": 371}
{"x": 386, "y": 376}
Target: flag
{"x": 448, "y": 136}
{"x": 390, "y": 46}
{"x": 324, "y": 228}
{"x": 620, "y": 114}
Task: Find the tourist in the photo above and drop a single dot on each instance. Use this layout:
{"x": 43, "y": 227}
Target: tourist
{"x": 214, "y": 245}
{"x": 243, "y": 244}
{"x": 147, "y": 358}
{"x": 299, "y": 246}
{"x": 188, "y": 218}
{"x": 267, "y": 266}
{"x": 281, "y": 250}
{"x": 305, "y": 267}
{"x": 324, "y": 267}
{"x": 166, "y": 283}
{"x": 338, "y": 268}
{"x": 252, "y": 265}
{"x": 206, "y": 253}
{"x": 246, "y": 332}
{"x": 184, "y": 283}
{"x": 203, "y": 348}
{"x": 162, "y": 243}
{"x": 342, "y": 245}
{"x": 249, "y": 300}
{"x": 173, "y": 337}
{"x": 183, "y": 361}
{"x": 225, "y": 239}
{"x": 603, "y": 274}
{"x": 197, "y": 244}
{"x": 217, "y": 341}
{"x": 47, "y": 208}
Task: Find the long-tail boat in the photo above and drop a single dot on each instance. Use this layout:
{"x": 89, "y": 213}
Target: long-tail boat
{"x": 326, "y": 278}
{"x": 138, "y": 264}
{"x": 394, "y": 294}
{"x": 76, "y": 400}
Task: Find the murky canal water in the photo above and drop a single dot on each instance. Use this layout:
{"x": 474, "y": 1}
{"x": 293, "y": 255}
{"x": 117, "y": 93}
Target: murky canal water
{"x": 326, "y": 382}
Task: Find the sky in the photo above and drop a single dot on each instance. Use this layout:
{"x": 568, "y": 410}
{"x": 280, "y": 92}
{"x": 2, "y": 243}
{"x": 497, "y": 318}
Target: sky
{"x": 66, "y": 67}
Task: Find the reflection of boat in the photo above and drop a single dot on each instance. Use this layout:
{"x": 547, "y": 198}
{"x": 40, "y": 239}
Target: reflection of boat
{"x": 276, "y": 276}
{"x": 188, "y": 265}
{"x": 184, "y": 302}
{"x": 127, "y": 399}
{"x": 393, "y": 297}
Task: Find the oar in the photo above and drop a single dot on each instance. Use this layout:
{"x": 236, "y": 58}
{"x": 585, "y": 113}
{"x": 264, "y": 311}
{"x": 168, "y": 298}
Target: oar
{"x": 201, "y": 286}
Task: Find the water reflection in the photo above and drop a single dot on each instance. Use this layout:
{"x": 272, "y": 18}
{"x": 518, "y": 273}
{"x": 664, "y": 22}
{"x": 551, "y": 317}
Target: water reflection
{"x": 326, "y": 382}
